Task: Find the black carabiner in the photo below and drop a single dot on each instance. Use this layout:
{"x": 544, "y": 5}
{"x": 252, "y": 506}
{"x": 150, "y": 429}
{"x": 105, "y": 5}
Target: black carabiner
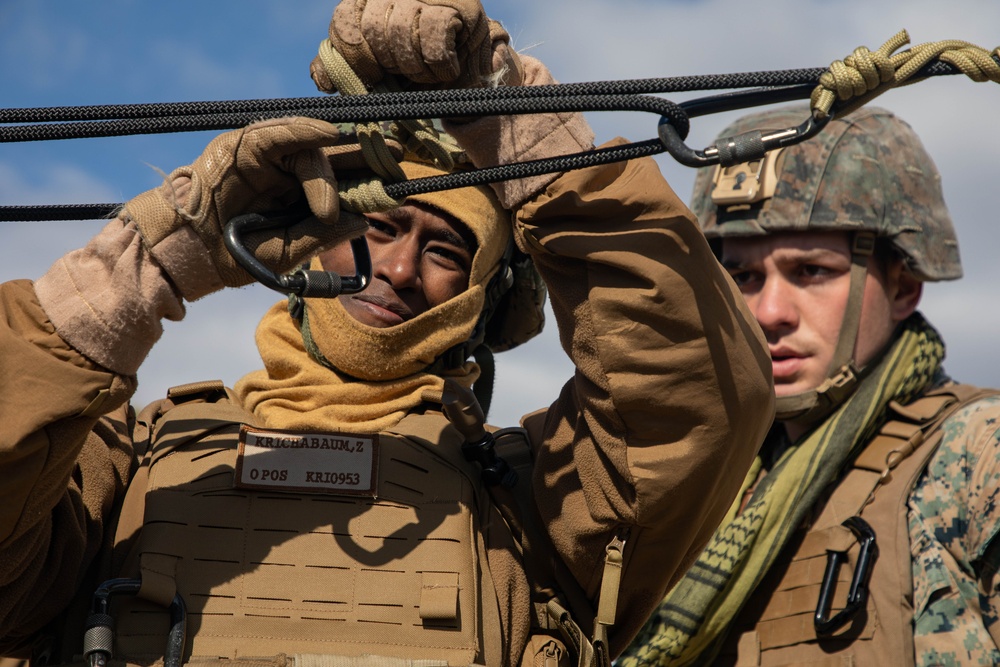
{"x": 98, "y": 640}
{"x": 857, "y": 596}
{"x": 301, "y": 282}
{"x": 744, "y": 147}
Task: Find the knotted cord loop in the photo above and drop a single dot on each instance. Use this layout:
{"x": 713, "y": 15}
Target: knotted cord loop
{"x": 366, "y": 196}
{"x": 864, "y": 75}
{"x": 420, "y": 138}
{"x": 974, "y": 62}
{"x": 373, "y": 146}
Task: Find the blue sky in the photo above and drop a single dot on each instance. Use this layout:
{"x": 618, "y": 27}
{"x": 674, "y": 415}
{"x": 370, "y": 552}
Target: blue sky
{"x": 56, "y": 53}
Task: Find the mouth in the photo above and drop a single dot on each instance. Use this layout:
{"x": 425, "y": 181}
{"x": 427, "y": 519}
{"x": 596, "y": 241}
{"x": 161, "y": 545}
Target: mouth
{"x": 384, "y": 311}
{"x": 786, "y": 364}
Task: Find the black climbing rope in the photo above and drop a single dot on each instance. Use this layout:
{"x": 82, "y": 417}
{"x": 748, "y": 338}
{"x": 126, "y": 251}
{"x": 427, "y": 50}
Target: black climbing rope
{"x": 761, "y": 88}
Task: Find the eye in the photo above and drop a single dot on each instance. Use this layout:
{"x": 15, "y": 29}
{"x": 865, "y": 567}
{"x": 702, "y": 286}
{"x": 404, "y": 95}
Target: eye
{"x": 745, "y": 279}
{"x": 380, "y": 226}
{"x": 449, "y": 256}
{"x": 815, "y": 272}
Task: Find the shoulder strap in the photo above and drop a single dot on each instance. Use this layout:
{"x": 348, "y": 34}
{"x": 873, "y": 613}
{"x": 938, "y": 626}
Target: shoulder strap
{"x": 915, "y": 426}
{"x": 910, "y": 426}
{"x": 511, "y": 445}
{"x": 552, "y": 585}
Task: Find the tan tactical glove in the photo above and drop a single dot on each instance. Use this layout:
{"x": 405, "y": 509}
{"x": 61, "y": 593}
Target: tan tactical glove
{"x": 495, "y": 140}
{"x": 424, "y": 40}
{"x": 432, "y": 43}
{"x": 268, "y": 168}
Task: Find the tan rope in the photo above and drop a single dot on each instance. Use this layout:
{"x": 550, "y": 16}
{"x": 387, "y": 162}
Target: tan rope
{"x": 373, "y": 146}
{"x": 864, "y": 75}
{"x": 975, "y": 63}
{"x": 366, "y": 196}
{"x": 420, "y": 137}
{"x": 444, "y": 155}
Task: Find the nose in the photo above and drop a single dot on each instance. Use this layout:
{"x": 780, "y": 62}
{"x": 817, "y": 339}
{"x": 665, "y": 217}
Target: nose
{"x": 398, "y": 263}
{"x": 774, "y": 306}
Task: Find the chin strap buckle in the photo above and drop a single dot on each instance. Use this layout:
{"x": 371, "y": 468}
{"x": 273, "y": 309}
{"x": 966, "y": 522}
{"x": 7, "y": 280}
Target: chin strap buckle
{"x": 839, "y": 386}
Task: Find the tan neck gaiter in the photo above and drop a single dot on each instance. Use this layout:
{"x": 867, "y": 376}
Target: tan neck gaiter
{"x": 294, "y": 391}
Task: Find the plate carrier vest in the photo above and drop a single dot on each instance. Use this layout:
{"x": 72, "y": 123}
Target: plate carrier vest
{"x": 777, "y": 627}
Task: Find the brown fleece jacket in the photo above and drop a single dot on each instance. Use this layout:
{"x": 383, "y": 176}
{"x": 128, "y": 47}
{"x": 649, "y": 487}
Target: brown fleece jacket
{"x": 651, "y": 437}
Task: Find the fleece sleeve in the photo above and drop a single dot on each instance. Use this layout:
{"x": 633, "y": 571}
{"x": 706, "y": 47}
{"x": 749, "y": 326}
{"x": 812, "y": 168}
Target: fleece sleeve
{"x": 651, "y": 438}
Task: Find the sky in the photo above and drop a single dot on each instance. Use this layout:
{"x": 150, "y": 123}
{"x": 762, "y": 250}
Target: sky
{"x": 54, "y": 53}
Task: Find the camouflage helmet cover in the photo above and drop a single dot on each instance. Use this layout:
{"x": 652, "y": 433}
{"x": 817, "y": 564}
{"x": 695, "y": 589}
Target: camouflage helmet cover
{"x": 866, "y": 171}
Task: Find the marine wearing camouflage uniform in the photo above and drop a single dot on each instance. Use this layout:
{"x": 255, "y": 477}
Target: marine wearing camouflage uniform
{"x": 867, "y": 171}
{"x": 953, "y": 523}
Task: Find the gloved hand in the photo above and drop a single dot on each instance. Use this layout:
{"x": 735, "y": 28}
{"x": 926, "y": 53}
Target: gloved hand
{"x": 495, "y": 140}
{"x": 266, "y": 167}
{"x": 432, "y": 43}
{"x": 407, "y": 37}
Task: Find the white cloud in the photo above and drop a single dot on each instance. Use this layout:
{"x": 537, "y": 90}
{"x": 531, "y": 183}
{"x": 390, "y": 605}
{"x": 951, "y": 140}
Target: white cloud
{"x": 27, "y": 249}
{"x": 202, "y": 75}
{"x": 57, "y": 183}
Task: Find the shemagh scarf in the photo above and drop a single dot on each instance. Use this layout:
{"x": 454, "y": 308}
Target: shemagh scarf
{"x": 692, "y": 619}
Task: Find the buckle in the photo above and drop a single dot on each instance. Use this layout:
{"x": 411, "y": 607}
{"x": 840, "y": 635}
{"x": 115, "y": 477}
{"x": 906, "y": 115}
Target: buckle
{"x": 863, "y": 243}
{"x": 747, "y": 182}
{"x": 838, "y": 386}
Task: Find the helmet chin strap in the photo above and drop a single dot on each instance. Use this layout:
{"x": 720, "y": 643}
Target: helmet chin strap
{"x": 842, "y": 377}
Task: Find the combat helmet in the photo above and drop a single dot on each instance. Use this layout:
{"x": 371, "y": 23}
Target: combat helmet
{"x": 866, "y": 173}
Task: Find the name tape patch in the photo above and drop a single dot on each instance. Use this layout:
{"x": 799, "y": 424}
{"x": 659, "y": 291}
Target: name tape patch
{"x": 338, "y": 463}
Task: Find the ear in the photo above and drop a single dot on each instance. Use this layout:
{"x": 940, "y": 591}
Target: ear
{"x": 907, "y": 293}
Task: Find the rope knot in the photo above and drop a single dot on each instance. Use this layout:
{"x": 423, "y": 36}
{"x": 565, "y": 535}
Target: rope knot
{"x": 366, "y": 196}
{"x": 976, "y": 63}
{"x": 863, "y": 74}
{"x": 857, "y": 74}
{"x": 421, "y": 138}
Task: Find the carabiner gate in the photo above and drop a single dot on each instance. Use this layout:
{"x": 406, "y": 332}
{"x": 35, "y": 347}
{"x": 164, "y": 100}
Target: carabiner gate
{"x": 744, "y": 147}
{"x": 857, "y": 596}
{"x": 301, "y": 282}
{"x": 98, "y": 640}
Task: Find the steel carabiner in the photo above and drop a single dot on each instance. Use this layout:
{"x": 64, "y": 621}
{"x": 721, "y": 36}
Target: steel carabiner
{"x": 301, "y": 282}
{"x": 741, "y": 148}
{"x": 98, "y": 639}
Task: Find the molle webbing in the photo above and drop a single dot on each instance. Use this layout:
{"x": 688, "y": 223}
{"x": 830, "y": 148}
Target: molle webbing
{"x": 310, "y": 575}
{"x": 777, "y": 625}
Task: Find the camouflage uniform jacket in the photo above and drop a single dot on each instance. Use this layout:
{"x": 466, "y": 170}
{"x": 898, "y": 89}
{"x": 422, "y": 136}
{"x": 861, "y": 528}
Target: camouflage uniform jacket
{"x": 947, "y": 537}
{"x": 954, "y": 519}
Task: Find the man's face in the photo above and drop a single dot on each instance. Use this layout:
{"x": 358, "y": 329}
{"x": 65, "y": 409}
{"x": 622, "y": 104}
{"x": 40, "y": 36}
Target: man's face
{"x": 797, "y": 285}
{"x": 420, "y": 259}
